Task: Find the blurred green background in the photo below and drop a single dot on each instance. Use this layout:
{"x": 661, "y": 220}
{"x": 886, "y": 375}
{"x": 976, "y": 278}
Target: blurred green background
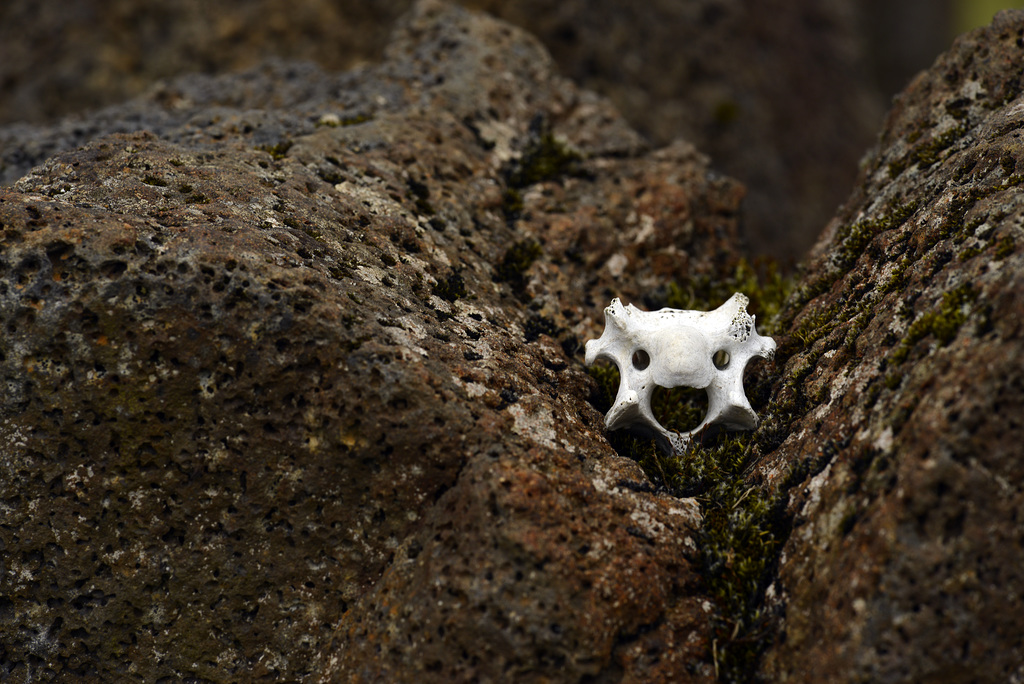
{"x": 968, "y": 14}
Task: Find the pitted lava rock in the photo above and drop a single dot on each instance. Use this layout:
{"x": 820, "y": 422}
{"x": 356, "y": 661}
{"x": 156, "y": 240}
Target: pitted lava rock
{"x": 282, "y": 403}
{"x": 904, "y": 389}
{"x": 778, "y": 94}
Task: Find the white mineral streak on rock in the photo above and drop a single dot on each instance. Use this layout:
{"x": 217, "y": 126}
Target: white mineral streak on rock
{"x": 673, "y": 348}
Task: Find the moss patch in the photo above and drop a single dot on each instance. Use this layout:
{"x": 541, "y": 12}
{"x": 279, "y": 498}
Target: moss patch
{"x": 942, "y": 323}
{"x": 739, "y": 544}
{"x": 741, "y": 536}
{"x": 451, "y": 288}
{"x": 278, "y": 151}
{"x": 544, "y": 159}
{"x": 1005, "y": 247}
{"x": 761, "y": 280}
{"x": 855, "y": 238}
{"x": 515, "y": 263}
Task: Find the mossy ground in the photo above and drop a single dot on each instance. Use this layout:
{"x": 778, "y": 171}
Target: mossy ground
{"x": 516, "y": 261}
{"x": 743, "y": 526}
{"x": 740, "y": 537}
{"x": 544, "y": 158}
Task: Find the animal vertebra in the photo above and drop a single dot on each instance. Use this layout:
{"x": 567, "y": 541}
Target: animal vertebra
{"x": 673, "y": 348}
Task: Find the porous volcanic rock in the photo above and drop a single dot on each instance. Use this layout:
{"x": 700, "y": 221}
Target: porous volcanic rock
{"x": 292, "y": 379}
{"x": 902, "y": 397}
{"x": 779, "y": 94}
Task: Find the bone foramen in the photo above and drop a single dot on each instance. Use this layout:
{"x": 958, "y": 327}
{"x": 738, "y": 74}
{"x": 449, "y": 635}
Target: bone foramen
{"x": 673, "y": 348}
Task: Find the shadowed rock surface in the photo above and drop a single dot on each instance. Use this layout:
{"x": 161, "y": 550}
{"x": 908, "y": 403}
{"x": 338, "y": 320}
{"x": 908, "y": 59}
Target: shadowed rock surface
{"x": 778, "y": 94}
{"x": 903, "y": 395}
{"x": 291, "y": 387}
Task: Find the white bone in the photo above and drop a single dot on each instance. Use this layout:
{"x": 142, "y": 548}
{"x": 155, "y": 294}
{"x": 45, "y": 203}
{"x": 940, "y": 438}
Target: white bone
{"x": 674, "y": 348}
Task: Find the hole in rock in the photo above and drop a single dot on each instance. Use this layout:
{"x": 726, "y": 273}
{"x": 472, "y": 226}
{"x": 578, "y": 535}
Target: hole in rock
{"x": 641, "y": 359}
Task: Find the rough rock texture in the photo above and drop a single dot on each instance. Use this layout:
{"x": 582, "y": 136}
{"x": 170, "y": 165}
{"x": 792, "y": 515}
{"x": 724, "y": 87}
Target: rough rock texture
{"x": 903, "y": 395}
{"x": 292, "y": 385}
{"x": 58, "y": 59}
{"x": 778, "y": 93}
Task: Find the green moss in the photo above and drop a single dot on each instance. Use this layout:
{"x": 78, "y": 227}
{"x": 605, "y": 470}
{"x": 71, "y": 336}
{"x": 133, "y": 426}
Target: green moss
{"x": 511, "y": 203}
{"x": 813, "y": 327}
{"x": 969, "y": 253}
{"x": 897, "y": 167}
{"x": 760, "y": 280}
{"x": 515, "y": 263}
{"x": 740, "y": 538}
{"x": 545, "y": 158}
{"x": 278, "y": 151}
{"x": 738, "y": 546}
{"x": 943, "y": 323}
{"x": 927, "y": 154}
{"x": 150, "y": 179}
{"x": 854, "y": 238}
{"x": 954, "y": 224}
{"x": 451, "y": 288}
{"x": 897, "y": 277}
{"x": 680, "y": 408}
{"x": 1005, "y": 247}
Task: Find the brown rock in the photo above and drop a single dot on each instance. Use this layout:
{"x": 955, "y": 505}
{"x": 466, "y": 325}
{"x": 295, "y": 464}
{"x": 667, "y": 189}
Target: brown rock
{"x": 903, "y": 395}
{"x": 777, "y": 93}
{"x": 314, "y": 409}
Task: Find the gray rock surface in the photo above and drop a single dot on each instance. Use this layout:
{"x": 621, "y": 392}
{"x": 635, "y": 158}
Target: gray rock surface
{"x": 903, "y": 394}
